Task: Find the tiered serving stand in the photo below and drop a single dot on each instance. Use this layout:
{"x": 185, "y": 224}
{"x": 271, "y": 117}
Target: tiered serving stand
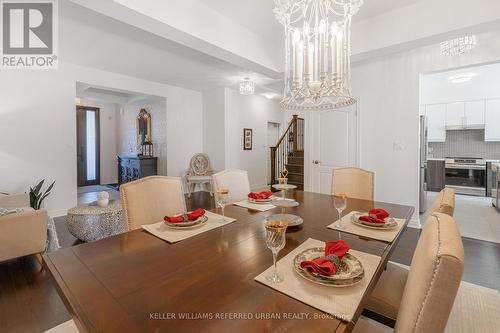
{"x": 285, "y": 203}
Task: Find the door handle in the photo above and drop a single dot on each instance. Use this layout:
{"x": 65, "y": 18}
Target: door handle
{"x": 316, "y": 162}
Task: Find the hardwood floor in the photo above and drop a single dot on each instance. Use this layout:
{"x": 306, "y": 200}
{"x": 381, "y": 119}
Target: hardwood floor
{"x": 30, "y": 303}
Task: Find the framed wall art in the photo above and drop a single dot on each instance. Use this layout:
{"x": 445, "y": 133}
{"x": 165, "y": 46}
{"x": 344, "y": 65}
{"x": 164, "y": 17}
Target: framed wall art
{"x": 247, "y": 139}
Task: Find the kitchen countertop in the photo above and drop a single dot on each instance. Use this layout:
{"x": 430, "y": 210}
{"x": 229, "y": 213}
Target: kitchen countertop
{"x": 444, "y": 159}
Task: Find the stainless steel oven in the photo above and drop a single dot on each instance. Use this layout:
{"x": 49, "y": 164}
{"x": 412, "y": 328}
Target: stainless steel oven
{"x": 466, "y": 175}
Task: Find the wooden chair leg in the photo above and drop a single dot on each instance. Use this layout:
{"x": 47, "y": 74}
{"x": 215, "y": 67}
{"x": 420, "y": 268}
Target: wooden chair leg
{"x": 39, "y": 258}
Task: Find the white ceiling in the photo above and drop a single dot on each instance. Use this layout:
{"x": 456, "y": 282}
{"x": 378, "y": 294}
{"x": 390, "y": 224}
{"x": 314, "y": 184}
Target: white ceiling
{"x": 193, "y": 47}
{"x": 90, "y": 39}
{"x": 110, "y": 95}
{"x": 372, "y": 8}
{"x": 257, "y": 15}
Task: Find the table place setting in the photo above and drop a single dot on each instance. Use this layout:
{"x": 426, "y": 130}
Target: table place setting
{"x": 376, "y": 224}
{"x": 182, "y": 226}
{"x": 329, "y": 276}
{"x": 258, "y": 201}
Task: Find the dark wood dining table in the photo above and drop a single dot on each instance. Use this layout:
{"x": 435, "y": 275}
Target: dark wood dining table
{"x": 136, "y": 282}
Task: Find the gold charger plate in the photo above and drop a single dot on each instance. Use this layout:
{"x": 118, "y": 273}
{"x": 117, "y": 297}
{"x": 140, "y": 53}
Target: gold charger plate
{"x": 259, "y": 201}
{"x": 189, "y": 224}
{"x": 390, "y": 223}
{"x": 351, "y": 270}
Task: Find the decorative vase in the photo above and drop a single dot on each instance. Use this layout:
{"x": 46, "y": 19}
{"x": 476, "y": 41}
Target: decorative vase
{"x": 103, "y": 203}
{"x": 103, "y": 199}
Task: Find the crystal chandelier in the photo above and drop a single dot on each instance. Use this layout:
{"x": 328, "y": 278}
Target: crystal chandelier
{"x": 247, "y": 87}
{"x": 458, "y": 46}
{"x": 318, "y": 50}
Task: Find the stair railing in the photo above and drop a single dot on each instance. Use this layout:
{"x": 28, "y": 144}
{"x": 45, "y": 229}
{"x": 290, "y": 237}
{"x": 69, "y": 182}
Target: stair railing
{"x": 291, "y": 141}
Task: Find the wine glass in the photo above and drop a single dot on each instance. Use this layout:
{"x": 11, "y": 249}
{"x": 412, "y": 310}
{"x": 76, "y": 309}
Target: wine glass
{"x": 275, "y": 241}
{"x": 222, "y": 200}
{"x": 340, "y": 203}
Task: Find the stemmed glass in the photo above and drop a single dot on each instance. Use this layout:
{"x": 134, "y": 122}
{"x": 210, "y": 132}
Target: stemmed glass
{"x": 222, "y": 200}
{"x": 340, "y": 203}
{"x": 275, "y": 241}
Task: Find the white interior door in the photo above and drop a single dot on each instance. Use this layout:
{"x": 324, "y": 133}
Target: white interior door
{"x": 333, "y": 144}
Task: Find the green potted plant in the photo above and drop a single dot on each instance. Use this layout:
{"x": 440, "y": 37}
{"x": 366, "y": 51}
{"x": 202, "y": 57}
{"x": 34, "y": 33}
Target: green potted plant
{"x": 37, "y": 196}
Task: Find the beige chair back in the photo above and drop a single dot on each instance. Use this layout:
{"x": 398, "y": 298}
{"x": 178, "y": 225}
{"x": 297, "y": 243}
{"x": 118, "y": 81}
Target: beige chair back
{"x": 355, "y": 183}
{"x": 200, "y": 165}
{"x": 14, "y": 201}
{"x": 434, "y": 278}
{"x": 236, "y": 181}
{"x": 148, "y": 200}
{"x": 444, "y": 202}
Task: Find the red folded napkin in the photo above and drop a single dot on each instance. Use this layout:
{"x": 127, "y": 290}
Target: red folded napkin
{"x": 376, "y": 215}
{"x": 260, "y": 195}
{"x": 194, "y": 215}
{"x": 327, "y": 265}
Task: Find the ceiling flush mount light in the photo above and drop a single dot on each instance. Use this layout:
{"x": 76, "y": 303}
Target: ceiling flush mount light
{"x": 247, "y": 87}
{"x": 461, "y": 78}
{"x": 318, "y": 50}
{"x": 270, "y": 95}
{"x": 458, "y": 46}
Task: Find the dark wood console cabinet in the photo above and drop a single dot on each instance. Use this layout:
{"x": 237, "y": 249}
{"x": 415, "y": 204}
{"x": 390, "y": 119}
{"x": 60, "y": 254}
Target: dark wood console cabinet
{"x": 131, "y": 168}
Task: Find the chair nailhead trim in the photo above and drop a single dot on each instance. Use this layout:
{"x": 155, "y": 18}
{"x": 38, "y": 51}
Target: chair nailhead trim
{"x": 434, "y": 272}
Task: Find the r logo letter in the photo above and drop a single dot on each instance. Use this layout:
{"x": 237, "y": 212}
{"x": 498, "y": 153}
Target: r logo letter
{"x": 35, "y": 21}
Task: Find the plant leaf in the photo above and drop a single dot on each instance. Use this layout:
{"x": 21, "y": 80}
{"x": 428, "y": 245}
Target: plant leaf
{"x": 45, "y": 194}
{"x": 38, "y": 187}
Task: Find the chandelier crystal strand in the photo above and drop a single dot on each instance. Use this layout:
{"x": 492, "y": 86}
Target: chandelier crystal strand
{"x": 458, "y": 46}
{"x": 317, "y": 69}
{"x": 247, "y": 87}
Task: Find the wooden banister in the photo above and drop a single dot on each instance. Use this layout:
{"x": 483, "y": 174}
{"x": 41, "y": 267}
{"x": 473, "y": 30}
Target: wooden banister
{"x": 290, "y": 142}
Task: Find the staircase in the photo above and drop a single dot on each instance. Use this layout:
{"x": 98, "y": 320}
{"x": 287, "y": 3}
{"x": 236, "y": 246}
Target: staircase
{"x": 289, "y": 153}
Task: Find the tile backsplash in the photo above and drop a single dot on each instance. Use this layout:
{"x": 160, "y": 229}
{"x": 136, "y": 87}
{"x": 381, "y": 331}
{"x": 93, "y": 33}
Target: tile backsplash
{"x": 465, "y": 143}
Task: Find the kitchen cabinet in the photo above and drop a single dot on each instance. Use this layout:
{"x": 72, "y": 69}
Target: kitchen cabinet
{"x": 474, "y": 113}
{"x": 436, "y": 122}
{"x": 465, "y": 115}
{"x": 492, "y": 120}
{"x": 455, "y": 113}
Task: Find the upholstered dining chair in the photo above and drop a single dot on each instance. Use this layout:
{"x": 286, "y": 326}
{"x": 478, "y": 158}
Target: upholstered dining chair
{"x": 236, "y": 181}
{"x": 354, "y": 182}
{"x": 148, "y": 200}
{"x": 420, "y": 299}
{"x": 444, "y": 202}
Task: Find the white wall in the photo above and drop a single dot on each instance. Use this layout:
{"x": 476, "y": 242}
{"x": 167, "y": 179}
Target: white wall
{"x": 38, "y": 127}
{"x": 214, "y": 138}
{"x": 127, "y": 131}
{"x": 253, "y": 112}
{"x": 388, "y": 92}
{"x": 108, "y": 139}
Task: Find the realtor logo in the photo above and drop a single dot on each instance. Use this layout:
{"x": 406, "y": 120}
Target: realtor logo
{"x": 29, "y": 34}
